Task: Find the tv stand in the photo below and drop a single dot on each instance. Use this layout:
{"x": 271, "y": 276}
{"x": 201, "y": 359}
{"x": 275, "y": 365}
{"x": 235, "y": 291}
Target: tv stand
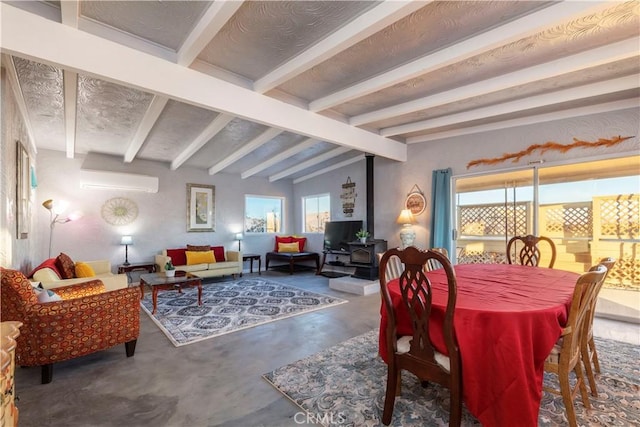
{"x": 326, "y": 252}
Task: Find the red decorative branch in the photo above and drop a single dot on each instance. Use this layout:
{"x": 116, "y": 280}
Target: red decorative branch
{"x": 602, "y": 142}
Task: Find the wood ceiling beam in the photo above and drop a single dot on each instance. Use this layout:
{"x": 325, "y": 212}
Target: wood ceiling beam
{"x": 12, "y": 75}
{"x": 209, "y": 132}
{"x": 539, "y": 118}
{"x": 307, "y": 143}
{"x": 365, "y": 25}
{"x": 149, "y": 119}
{"x": 70, "y": 83}
{"x": 330, "y": 168}
{"x": 301, "y": 166}
{"x": 69, "y": 12}
{"x": 247, "y": 148}
{"x": 580, "y": 92}
{"x": 592, "y": 58}
{"x": 218, "y": 13}
{"x": 499, "y": 36}
{"x": 36, "y": 38}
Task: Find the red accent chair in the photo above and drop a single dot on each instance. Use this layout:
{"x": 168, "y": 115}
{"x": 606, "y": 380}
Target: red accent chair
{"x": 87, "y": 320}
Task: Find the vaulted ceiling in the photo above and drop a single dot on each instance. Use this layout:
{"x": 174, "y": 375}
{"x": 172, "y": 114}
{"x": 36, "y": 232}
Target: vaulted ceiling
{"x": 294, "y": 89}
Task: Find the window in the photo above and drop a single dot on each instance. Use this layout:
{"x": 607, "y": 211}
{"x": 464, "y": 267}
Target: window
{"x": 263, "y": 214}
{"x": 315, "y": 212}
{"x": 590, "y": 210}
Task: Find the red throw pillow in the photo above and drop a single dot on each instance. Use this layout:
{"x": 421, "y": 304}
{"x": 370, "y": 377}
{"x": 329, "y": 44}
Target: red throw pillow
{"x": 49, "y": 263}
{"x": 195, "y": 248}
{"x": 301, "y": 241}
{"x": 218, "y": 253}
{"x": 282, "y": 239}
{"x": 178, "y": 256}
{"x": 66, "y": 266}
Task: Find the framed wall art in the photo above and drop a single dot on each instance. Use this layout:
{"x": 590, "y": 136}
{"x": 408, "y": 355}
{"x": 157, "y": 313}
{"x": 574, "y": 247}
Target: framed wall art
{"x": 201, "y": 207}
{"x": 23, "y": 192}
{"x": 416, "y": 201}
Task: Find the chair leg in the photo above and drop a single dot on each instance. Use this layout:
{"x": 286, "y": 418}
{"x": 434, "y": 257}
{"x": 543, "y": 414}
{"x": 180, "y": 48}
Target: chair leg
{"x": 594, "y": 355}
{"x": 390, "y": 396}
{"x": 565, "y": 390}
{"x": 455, "y": 404}
{"x": 130, "y": 347}
{"x": 47, "y": 373}
{"x": 586, "y": 361}
{"x": 583, "y": 388}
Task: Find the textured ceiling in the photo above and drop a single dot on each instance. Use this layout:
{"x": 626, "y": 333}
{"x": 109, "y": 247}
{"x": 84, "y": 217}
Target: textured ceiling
{"x": 286, "y": 89}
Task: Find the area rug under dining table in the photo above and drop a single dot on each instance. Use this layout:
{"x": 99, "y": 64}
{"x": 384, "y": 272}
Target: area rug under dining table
{"x": 344, "y": 386}
{"x": 229, "y": 307}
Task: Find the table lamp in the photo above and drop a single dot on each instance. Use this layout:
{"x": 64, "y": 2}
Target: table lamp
{"x": 407, "y": 234}
{"x": 126, "y": 241}
{"x": 239, "y": 238}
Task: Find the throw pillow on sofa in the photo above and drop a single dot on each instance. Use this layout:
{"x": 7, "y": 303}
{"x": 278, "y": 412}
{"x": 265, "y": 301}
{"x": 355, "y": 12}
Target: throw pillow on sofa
{"x": 195, "y": 248}
{"x": 84, "y": 270}
{"x": 300, "y": 241}
{"x": 65, "y": 265}
{"x": 289, "y": 247}
{"x": 200, "y": 257}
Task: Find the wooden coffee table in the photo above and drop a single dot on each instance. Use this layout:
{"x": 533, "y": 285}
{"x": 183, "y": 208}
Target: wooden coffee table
{"x": 159, "y": 282}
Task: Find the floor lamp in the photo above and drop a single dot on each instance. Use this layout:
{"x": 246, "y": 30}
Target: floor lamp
{"x": 55, "y": 209}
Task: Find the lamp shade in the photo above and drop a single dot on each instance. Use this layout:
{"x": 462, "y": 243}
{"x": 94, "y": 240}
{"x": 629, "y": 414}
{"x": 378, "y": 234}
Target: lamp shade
{"x": 126, "y": 240}
{"x": 406, "y": 217}
{"x": 239, "y": 236}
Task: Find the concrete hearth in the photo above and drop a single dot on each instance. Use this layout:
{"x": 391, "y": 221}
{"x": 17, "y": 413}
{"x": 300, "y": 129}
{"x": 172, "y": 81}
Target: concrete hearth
{"x": 356, "y": 286}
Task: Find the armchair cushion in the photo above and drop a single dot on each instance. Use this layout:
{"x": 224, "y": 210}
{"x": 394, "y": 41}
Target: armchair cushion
{"x": 65, "y": 265}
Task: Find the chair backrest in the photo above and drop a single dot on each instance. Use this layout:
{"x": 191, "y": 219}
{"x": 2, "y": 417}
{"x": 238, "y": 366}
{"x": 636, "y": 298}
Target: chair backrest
{"x": 530, "y": 253}
{"x": 417, "y": 293}
{"x": 16, "y": 293}
{"x": 432, "y": 264}
{"x": 584, "y": 293}
{"x": 608, "y": 263}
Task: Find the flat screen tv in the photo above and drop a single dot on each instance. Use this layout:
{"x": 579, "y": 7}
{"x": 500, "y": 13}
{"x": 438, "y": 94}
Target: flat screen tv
{"x": 338, "y": 234}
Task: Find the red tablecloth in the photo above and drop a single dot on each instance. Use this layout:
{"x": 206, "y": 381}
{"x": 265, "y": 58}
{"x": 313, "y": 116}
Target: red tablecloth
{"x": 507, "y": 319}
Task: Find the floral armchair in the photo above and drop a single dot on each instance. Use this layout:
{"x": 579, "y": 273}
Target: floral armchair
{"x": 85, "y": 321}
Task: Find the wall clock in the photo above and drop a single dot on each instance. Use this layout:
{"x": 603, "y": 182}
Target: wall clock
{"x": 415, "y": 201}
{"x": 119, "y": 211}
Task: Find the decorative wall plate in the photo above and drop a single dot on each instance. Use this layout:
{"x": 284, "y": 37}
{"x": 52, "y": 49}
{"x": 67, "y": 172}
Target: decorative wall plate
{"x": 415, "y": 201}
{"x": 119, "y": 211}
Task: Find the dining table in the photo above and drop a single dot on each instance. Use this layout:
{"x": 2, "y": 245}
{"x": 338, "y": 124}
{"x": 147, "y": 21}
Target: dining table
{"x": 507, "y": 320}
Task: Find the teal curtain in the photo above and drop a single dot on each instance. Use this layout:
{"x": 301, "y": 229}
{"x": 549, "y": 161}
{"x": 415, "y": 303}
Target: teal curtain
{"x": 441, "y": 209}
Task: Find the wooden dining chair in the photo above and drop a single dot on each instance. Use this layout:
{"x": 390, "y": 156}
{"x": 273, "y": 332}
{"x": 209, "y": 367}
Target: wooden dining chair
{"x": 393, "y": 269}
{"x": 588, "y": 346}
{"x": 530, "y": 253}
{"x": 432, "y": 264}
{"x": 416, "y": 353}
{"x": 565, "y": 356}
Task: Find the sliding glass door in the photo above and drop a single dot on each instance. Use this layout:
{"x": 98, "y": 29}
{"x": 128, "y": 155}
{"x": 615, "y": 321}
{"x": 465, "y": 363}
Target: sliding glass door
{"x": 590, "y": 210}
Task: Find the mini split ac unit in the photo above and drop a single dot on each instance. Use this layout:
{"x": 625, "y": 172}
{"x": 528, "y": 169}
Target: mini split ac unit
{"x": 118, "y": 181}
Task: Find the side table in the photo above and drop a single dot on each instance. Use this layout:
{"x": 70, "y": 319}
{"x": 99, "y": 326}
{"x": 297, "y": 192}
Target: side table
{"x": 149, "y": 267}
{"x": 250, "y": 258}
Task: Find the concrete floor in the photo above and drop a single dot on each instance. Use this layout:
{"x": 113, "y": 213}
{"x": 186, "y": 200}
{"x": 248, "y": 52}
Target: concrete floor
{"x": 216, "y": 382}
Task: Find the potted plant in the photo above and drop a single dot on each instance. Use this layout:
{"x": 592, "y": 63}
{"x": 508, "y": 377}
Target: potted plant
{"x": 362, "y": 234}
{"x": 169, "y": 269}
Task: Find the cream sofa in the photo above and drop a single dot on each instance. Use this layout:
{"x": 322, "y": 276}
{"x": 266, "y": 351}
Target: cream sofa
{"x": 50, "y": 279}
{"x": 231, "y": 265}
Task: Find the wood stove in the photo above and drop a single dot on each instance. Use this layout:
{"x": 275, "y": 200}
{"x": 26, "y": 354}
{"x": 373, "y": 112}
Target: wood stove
{"x": 364, "y": 258}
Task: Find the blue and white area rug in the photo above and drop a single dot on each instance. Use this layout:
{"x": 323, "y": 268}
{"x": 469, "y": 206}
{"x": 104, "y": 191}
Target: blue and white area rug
{"x": 345, "y": 385}
{"x": 229, "y": 307}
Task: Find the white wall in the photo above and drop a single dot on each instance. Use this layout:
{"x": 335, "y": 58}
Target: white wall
{"x": 161, "y": 221}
